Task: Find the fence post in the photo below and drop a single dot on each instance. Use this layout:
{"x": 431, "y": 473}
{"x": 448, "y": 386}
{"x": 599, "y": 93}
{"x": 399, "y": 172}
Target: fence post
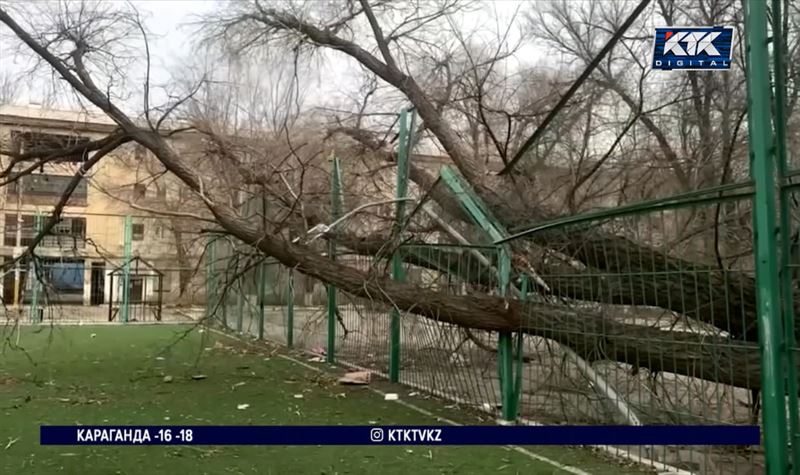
{"x": 779, "y": 58}
{"x": 226, "y": 294}
{"x": 210, "y": 278}
{"x": 505, "y": 353}
{"x": 483, "y": 217}
{"x": 126, "y": 269}
{"x": 524, "y": 285}
{"x": 35, "y": 282}
{"x": 240, "y": 313}
{"x": 262, "y": 297}
{"x": 770, "y": 331}
{"x": 239, "y": 286}
{"x": 336, "y": 210}
{"x": 398, "y": 272}
{"x": 290, "y": 310}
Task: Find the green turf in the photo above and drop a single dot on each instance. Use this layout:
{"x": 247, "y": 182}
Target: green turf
{"x": 116, "y": 375}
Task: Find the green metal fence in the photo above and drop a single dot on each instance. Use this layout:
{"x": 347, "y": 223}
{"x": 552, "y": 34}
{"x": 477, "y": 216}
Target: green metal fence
{"x": 645, "y": 314}
{"x": 679, "y": 311}
{"x": 641, "y": 315}
{"x": 663, "y": 342}
{"x": 101, "y": 267}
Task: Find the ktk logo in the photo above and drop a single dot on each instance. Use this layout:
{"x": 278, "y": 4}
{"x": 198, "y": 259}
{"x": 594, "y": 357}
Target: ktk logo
{"x": 696, "y": 42}
{"x": 691, "y": 48}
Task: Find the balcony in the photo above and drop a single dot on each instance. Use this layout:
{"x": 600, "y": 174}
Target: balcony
{"x": 67, "y": 234}
{"x": 46, "y": 189}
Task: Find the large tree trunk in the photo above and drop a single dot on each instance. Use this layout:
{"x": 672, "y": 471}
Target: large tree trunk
{"x": 513, "y": 205}
{"x": 592, "y": 335}
{"x": 184, "y": 266}
{"x": 722, "y": 298}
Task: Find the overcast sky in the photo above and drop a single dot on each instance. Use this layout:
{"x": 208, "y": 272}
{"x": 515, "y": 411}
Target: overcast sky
{"x": 171, "y": 46}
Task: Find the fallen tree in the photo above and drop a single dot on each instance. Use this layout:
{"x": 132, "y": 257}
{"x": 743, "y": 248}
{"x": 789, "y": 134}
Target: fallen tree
{"x": 593, "y": 335}
{"x": 690, "y": 288}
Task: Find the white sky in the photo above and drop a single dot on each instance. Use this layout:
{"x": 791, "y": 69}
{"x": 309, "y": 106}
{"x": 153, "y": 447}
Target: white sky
{"x": 171, "y": 45}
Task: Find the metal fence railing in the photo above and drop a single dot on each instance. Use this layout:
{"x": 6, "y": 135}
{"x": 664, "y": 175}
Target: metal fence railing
{"x": 95, "y": 267}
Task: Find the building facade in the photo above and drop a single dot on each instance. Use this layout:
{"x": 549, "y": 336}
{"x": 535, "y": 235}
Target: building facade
{"x": 81, "y": 253}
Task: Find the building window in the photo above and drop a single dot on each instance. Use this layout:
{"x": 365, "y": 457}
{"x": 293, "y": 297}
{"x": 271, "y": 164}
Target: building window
{"x": 28, "y": 231}
{"x": 67, "y": 233}
{"x": 47, "y": 189}
{"x": 166, "y": 282}
{"x": 47, "y": 186}
{"x": 137, "y": 232}
{"x": 31, "y": 142}
{"x": 159, "y": 231}
{"x": 64, "y": 276}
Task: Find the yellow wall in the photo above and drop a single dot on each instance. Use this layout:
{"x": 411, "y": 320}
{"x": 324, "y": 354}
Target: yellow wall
{"x": 114, "y": 175}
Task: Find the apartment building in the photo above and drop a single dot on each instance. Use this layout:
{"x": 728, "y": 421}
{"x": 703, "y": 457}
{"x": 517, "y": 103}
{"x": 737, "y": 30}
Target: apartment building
{"x": 87, "y": 247}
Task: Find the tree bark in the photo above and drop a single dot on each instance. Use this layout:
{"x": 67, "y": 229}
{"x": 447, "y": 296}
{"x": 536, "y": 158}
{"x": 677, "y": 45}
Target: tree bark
{"x": 593, "y": 335}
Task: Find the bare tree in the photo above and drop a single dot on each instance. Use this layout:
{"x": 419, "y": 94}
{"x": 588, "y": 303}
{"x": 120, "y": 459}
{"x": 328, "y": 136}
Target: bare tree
{"x": 69, "y": 52}
{"x": 8, "y": 89}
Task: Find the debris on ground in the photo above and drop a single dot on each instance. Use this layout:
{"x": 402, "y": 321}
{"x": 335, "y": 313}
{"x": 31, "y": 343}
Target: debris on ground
{"x": 391, "y": 397}
{"x": 355, "y": 377}
{"x": 242, "y": 407}
{"x": 198, "y": 377}
{"x": 167, "y": 379}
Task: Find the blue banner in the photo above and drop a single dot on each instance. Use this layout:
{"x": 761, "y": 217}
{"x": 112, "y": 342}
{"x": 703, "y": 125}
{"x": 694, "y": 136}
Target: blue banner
{"x": 399, "y": 435}
{"x": 693, "y": 48}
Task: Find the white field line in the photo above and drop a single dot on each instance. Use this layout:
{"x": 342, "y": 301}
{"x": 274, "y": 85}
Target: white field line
{"x": 614, "y": 451}
{"x": 528, "y": 453}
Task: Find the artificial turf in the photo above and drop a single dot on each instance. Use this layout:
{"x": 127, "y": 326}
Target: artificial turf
{"x": 143, "y": 375}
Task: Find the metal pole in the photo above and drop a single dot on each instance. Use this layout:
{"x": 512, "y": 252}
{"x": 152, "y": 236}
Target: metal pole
{"x": 262, "y": 282}
{"x": 35, "y": 282}
{"x": 398, "y": 272}
{"x": 226, "y": 294}
{"x": 524, "y": 286}
{"x": 762, "y": 169}
{"x": 210, "y": 284}
{"x": 262, "y": 297}
{"x": 241, "y": 277}
{"x": 111, "y": 297}
{"x": 240, "y": 314}
{"x": 126, "y": 269}
{"x": 336, "y": 210}
{"x": 779, "y": 58}
{"x": 290, "y": 310}
{"x": 18, "y": 245}
{"x": 481, "y": 216}
{"x": 160, "y": 302}
{"x": 505, "y": 345}
{"x": 240, "y": 290}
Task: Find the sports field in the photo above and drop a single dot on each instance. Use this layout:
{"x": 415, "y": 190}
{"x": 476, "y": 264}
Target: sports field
{"x": 170, "y": 374}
